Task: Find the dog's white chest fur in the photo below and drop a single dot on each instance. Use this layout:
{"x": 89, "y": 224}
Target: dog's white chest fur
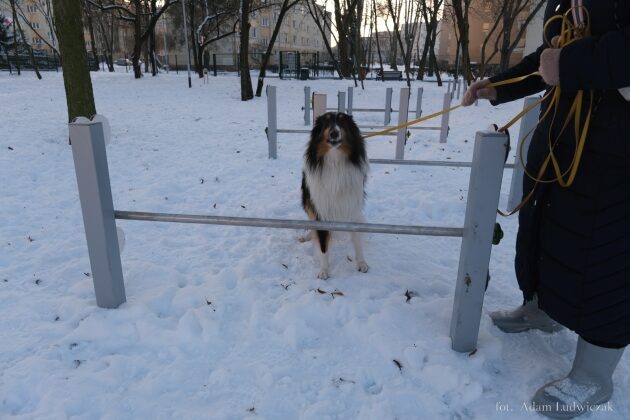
{"x": 337, "y": 188}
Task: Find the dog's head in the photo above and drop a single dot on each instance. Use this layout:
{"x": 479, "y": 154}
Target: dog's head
{"x": 335, "y": 132}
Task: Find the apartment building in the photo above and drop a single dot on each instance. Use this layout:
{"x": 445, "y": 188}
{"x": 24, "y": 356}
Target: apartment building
{"x": 35, "y": 17}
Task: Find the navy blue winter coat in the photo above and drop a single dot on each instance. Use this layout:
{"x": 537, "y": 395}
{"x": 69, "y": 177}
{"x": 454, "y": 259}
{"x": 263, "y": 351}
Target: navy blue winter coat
{"x": 573, "y": 244}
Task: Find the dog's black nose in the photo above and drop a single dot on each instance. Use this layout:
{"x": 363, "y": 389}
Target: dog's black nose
{"x": 334, "y": 134}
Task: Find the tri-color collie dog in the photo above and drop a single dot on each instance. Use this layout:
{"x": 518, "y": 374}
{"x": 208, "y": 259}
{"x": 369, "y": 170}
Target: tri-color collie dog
{"x": 333, "y": 182}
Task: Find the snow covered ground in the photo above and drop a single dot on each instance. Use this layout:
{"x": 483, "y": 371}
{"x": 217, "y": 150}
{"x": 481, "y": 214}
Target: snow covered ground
{"x": 227, "y": 322}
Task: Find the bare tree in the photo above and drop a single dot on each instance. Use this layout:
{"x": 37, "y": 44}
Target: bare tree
{"x": 430, "y": 13}
{"x": 142, "y": 17}
{"x": 286, "y": 6}
{"x": 408, "y": 12}
{"x": 510, "y": 20}
{"x": 460, "y": 10}
{"x": 318, "y": 13}
{"x": 25, "y": 42}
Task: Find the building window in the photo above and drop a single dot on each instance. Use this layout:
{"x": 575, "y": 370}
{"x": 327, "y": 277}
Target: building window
{"x": 294, "y": 39}
{"x": 35, "y": 25}
{"x": 295, "y": 24}
{"x": 265, "y": 22}
{"x": 265, "y": 42}
{"x": 37, "y": 40}
{"x": 31, "y": 9}
{"x": 253, "y": 32}
{"x": 285, "y": 38}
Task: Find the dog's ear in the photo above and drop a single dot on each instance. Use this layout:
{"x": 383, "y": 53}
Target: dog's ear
{"x": 358, "y": 154}
{"x": 312, "y": 159}
{"x": 318, "y": 127}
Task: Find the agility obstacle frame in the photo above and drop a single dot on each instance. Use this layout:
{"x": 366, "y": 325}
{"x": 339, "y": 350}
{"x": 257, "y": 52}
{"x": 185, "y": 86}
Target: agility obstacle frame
{"x": 99, "y": 218}
{"x": 401, "y": 134}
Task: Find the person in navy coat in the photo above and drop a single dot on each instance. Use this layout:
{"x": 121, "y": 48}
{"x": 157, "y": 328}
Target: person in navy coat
{"x": 573, "y": 243}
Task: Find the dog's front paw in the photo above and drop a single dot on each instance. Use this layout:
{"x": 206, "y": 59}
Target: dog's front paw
{"x": 362, "y": 266}
{"x": 323, "y": 274}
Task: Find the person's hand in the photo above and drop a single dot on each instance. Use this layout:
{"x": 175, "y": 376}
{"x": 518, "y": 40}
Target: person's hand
{"x": 550, "y": 63}
{"x": 479, "y": 90}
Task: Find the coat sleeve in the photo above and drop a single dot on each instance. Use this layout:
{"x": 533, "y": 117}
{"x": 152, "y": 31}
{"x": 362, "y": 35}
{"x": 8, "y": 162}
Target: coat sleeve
{"x": 527, "y": 87}
{"x": 597, "y": 62}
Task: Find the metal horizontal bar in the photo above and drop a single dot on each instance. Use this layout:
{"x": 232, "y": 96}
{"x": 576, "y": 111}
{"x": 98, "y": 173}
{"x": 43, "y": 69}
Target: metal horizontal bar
{"x": 441, "y": 163}
{"x": 381, "y": 127}
{"x": 297, "y": 131}
{"x": 289, "y": 131}
{"x": 290, "y": 224}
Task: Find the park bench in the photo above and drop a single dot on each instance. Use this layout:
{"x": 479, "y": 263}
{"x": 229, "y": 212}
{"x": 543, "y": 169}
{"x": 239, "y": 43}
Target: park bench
{"x": 390, "y": 75}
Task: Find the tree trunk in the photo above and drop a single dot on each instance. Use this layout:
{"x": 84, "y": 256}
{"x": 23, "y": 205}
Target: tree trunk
{"x": 90, "y": 24}
{"x": 15, "y": 44}
{"x": 378, "y": 42}
{"x": 247, "y": 91}
{"x": 137, "y": 45}
{"x": 76, "y": 75}
{"x": 342, "y": 45}
{"x": 313, "y": 11}
{"x": 276, "y": 30}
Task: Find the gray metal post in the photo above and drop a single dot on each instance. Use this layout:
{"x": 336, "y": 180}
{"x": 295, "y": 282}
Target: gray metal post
{"x": 388, "y": 105}
{"x": 528, "y": 122}
{"x": 403, "y": 114}
{"x": 419, "y": 103}
{"x": 272, "y": 122}
{"x": 350, "y": 99}
{"x": 307, "y": 105}
{"x": 448, "y": 97}
{"x": 448, "y": 86}
{"x": 481, "y": 213}
{"x": 459, "y": 87}
{"x": 319, "y": 105}
{"x": 95, "y": 195}
{"x": 341, "y": 102}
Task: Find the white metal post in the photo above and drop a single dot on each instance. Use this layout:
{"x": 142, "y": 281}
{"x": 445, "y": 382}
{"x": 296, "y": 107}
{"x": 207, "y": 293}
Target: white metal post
{"x": 95, "y": 195}
{"x": 419, "y": 103}
{"x": 307, "y": 105}
{"x": 388, "y": 105}
{"x": 350, "y": 99}
{"x": 341, "y": 102}
{"x": 481, "y": 213}
{"x": 448, "y": 97}
{"x": 272, "y": 122}
{"x": 403, "y": 113}
{"x": 528, "y": 122}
